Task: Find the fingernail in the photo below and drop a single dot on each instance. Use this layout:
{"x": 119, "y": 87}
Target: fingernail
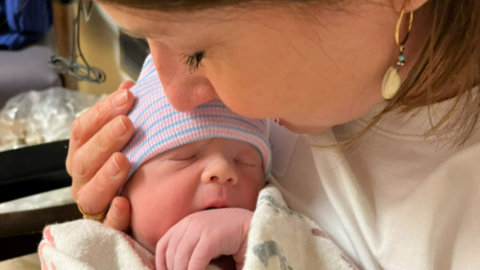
{"x": 120, "y": 99}
{"x": 118, "y": 128}
{"x": 118, "y": 212}
{"x": 112, "y": 168}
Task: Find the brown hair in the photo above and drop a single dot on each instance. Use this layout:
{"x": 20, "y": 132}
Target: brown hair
{"x": 449, "y": 65}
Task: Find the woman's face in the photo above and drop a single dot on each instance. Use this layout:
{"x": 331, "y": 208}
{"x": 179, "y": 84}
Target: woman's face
{"x": 312, "y": 68}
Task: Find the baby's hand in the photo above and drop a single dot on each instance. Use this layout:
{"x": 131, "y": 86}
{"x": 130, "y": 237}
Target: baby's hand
{"x": 200, "y": 237}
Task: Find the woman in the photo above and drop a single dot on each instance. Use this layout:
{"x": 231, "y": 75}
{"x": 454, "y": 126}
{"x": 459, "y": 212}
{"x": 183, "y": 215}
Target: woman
{"x": 400, "y": 187}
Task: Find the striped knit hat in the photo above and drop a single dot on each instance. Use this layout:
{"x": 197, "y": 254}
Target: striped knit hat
{"x": 159, "y": 127}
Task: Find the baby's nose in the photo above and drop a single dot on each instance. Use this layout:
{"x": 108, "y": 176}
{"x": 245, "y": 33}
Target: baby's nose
{"x": 220, "y": 171}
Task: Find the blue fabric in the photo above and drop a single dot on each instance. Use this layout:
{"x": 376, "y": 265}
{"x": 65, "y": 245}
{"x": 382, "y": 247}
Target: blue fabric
{"x": 23, "y": 22}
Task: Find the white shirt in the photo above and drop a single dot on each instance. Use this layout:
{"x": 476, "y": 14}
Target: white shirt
{"x": 393, "y": 200}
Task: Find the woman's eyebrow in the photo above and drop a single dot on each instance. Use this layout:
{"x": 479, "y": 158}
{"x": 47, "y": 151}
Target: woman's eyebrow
{"x": 143, "y": 34}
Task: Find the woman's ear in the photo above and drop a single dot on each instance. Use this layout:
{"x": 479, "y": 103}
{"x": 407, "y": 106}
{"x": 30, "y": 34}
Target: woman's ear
{"x": 409, "y": 5}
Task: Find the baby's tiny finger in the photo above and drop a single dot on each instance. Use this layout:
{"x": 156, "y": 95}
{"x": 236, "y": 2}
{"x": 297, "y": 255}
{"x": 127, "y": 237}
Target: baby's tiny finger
{"x": 185, "y": 250}
{"x": 170, "y": 252}
{"x": 174, "y": 250}
{"x": 202, "y": 255}
{"x": 160, "y": 252}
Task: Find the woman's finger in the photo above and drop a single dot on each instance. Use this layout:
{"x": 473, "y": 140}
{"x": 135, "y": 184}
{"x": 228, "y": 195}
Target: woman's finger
{"x": 97, "y": 194}
{"x": 118, "y": 217}
{"x": 89, "y": 123}
{"x": 126, "y": 85}
{"x": 93, "y": 154}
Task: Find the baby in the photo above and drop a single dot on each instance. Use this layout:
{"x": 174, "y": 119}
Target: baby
{"x": 194, "y": 182}
{"x": 194, "y": 178}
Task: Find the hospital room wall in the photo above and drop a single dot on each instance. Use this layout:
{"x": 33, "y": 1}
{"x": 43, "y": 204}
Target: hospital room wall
{"x": 100, "y": 45}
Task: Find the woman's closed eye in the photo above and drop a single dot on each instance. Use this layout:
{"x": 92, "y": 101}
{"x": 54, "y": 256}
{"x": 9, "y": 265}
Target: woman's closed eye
{"x": 193, "y": 61}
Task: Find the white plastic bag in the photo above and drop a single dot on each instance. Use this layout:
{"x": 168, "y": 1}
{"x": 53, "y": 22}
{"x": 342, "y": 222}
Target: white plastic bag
{"x": 36, "y": 117}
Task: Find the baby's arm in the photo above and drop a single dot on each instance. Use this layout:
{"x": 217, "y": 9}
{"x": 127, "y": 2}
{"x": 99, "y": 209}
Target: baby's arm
{"x": 200, "y": 237}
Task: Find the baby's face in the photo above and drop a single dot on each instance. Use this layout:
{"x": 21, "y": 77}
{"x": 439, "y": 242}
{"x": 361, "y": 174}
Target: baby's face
{"x": 213, "y": 173}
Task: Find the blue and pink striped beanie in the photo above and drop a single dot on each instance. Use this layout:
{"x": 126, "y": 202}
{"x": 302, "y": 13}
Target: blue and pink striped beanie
{"x": 159, "y": 127}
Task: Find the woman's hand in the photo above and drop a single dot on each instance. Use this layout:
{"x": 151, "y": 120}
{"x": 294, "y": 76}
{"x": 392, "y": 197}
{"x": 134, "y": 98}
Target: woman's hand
{"x": 202, "y": 236}
{"x": 94, "y": 162}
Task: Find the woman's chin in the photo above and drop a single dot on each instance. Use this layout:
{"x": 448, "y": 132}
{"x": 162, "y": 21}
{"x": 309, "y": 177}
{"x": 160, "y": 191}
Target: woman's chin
{"x": 303, "y": 129}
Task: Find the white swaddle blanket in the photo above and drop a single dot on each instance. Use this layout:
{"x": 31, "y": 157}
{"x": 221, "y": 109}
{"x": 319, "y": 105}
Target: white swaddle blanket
{"x": 279, "y": 239}
{"x": 282, "y": 239}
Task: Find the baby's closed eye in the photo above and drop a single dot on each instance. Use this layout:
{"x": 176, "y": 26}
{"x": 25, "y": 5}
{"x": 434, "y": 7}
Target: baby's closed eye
{"x": 184, "y": 157}
{"x": 249, "y": 163}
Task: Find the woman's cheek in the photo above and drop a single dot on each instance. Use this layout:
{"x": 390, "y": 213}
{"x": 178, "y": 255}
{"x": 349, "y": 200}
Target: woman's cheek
{"x": 244, "y": 100}
{"x": 243, "y": 93}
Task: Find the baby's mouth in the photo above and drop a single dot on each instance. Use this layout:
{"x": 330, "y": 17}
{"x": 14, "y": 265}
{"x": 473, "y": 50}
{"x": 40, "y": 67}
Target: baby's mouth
{"x": 212, "y": 208}
{"x": 215, "y": 203}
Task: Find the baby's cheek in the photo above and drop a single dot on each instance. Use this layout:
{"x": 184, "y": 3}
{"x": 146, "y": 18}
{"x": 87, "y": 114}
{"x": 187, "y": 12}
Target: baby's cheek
{"x": 147, "y": 231}
{"x": 150, "y": 222}
{"x": 252, "y": 201}
{"x": 247, "y": 198}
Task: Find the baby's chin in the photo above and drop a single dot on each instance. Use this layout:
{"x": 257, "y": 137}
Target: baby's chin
{"x": 142, "y": 240}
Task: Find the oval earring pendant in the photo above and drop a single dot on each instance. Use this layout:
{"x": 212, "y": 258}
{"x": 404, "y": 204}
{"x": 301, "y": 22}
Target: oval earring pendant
{"x": 391, "y": 83}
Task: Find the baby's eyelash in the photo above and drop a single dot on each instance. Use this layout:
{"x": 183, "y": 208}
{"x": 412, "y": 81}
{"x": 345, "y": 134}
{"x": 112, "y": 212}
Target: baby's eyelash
{"x": 193, "y": 61}
{"x": 245, "y": 164}
{"x": 187, "y": 159}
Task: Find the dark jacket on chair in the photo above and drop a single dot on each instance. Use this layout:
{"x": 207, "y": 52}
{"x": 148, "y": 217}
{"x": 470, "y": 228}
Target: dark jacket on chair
{"x": 23, "y": 22}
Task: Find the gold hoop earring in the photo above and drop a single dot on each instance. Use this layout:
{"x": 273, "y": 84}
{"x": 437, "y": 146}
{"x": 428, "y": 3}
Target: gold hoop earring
{"x": 392, "y": 81}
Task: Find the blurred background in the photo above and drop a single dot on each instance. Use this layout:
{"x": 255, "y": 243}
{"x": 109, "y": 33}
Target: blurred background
{"x": 57, "y": 59}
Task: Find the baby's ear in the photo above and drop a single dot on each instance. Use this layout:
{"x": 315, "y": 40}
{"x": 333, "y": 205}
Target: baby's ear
{"x": 409, "y": 5}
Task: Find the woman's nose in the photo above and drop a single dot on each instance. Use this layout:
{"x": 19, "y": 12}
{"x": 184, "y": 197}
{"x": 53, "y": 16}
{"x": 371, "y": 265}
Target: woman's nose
{"x": 185, "y": 88}
{"x": 219, "y": 171}
{"x": 188, "y": 92}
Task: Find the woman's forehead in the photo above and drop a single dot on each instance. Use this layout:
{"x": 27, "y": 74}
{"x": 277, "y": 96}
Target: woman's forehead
{"x": 137, "y": 22}
{"x": 157, "y": 24}
{"x": 145, "y": 22}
